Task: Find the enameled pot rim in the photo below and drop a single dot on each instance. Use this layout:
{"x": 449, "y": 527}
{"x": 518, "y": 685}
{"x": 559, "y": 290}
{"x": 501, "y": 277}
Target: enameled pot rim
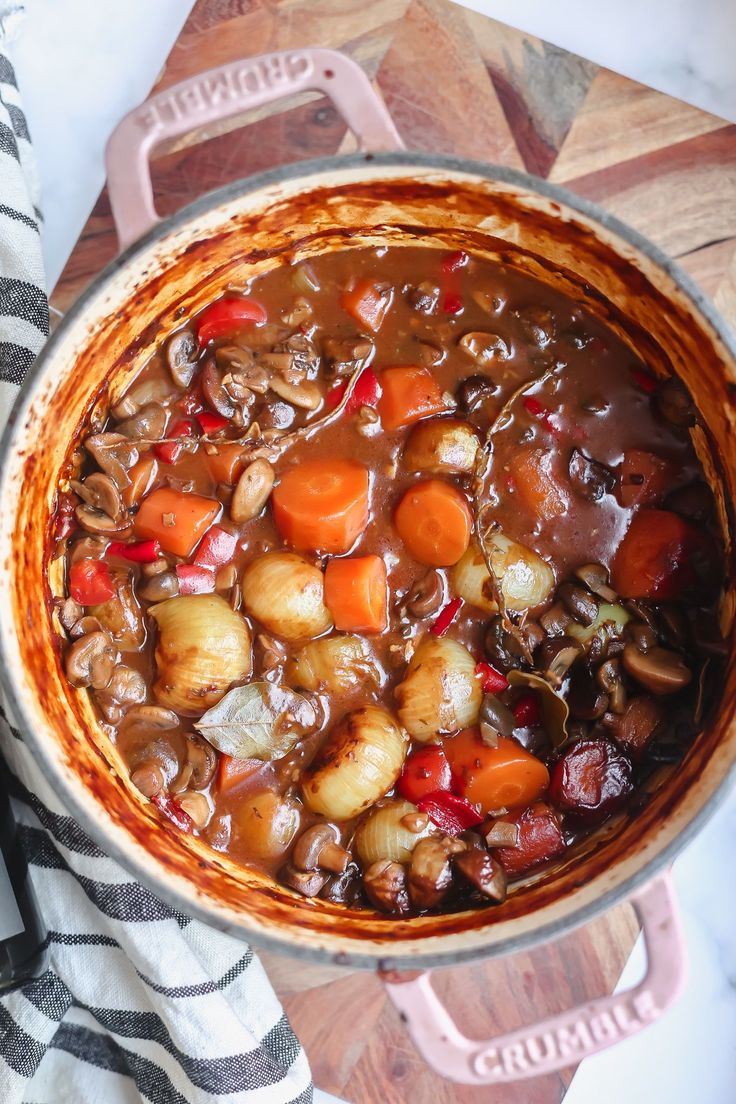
{"x": 158, "y": 884}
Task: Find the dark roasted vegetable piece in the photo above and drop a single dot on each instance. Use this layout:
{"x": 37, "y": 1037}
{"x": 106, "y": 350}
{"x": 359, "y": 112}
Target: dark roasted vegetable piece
{"x": 588, "y": 478}
{"x": 591, "y": 780}
{"x": 539, "y": 839}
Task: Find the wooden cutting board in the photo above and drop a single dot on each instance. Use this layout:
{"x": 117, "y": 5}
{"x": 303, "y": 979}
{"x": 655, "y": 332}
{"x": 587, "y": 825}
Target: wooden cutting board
{"x": 460, "y": 83}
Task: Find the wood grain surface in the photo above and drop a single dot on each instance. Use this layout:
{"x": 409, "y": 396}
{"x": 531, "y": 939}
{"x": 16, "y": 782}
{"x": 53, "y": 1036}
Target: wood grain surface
{"x": 460, "y": 83}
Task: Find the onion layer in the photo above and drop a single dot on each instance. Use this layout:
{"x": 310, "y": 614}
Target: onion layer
{"x": 204, "y": 647}
{"x": 441, "y": 692}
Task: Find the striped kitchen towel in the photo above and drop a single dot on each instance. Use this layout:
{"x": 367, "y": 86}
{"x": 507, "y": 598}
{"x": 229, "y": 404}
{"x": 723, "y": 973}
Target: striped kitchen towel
{"x": 140, "y": 1002}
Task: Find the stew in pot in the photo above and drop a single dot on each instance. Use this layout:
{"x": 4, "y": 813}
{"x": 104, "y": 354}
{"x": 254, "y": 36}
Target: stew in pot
{"x": 393, "y": 573}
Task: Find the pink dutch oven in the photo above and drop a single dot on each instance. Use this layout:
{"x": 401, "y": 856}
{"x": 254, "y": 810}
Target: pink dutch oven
{"x": 380, "y": 195}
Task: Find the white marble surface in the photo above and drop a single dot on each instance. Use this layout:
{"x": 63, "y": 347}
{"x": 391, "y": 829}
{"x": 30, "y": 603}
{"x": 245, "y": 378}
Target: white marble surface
{"x": 83, "y": 63}
{"x": 683, "y": 47}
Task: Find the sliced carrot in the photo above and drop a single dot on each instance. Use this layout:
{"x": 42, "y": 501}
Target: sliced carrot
{"x": 356, "y": 594}
{"x": 656, "y": 557}
{"x": 176, "y": 519}
{"x": 536, "y": 485}
{"x": 231, "y": 772}
{"x": 322, "y": 505}
{"x": 367, "y": 302}
{"x": 506, "y": 776}
{"x": 434, "y": 522}
{"x": 409, "y": 393}
{"x": 226, "y": 464}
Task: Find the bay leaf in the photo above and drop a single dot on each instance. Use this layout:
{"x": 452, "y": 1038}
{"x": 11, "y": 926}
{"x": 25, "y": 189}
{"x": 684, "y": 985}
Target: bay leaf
{"x": 555, "y": 712}
{"x": 258, "y": 721}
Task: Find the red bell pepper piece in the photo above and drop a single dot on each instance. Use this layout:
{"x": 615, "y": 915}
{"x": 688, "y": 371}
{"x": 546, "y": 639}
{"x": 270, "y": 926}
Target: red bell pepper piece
{"x": 643, "y": 380}
{"x": 526, "y": 710}
{"x": 210, "y": 423}
{"x": 367, "y": 392}
{"x": 451, "y": 262}
{"x": 90, "y": 582}
{"x": 492, "y": 681}
{"x": 168, "y": 452}
{"x": 452, "y": 303}
{"x": 146, "y": 551}
{"x": 445, "y": 617}
{"x": 450, "y": 813}
{"x": 216, "y": 548}
{"x": 173, "y": 811}
{"x": 425, "y": 772}
{"x": 194, "y": 579}
{"x": 226, "y": 316}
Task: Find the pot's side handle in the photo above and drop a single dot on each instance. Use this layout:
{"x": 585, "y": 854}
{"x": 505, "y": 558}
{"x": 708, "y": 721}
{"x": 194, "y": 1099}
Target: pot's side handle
{"x": 560, "y": 1040}
{"x": 223, "y": 92}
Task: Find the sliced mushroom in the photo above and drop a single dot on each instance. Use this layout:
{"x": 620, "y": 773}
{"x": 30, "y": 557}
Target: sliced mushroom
{"x": 122, "y": 615}
{"x": 91, "y": 661}
{"x": 69, "y": 613}
{"x": 430, "y": 873}
{"x": 643, "y": 635}
{"x": 114, "y": 454}
{"x": 94, "y": 521}
{"x": 180, "y": 351}
{"x": 426, "y": 595}
{"x": 319, "y": 849}
{"x": 162, "y": 586}
{"x": 494, "y": 713}
{"x": 556, "y": 656}
{"x": 214, "y": 391}
{"x": 299, "y": 313}
{"x": 587, "y": 701}
{"x": 148, "y": 777}
{"x": 126, "y": 687}
{"x": 155, "y": 389}
{"x": 578, "y": 602}
{"x": 148, "y": 423}
{"x": 202, "y": 758}
{"x": 252, "y": 491}
{"x": 609, "y": 678}
{"x": 595, "y": 578}
{"x": 483, "y": 872}
{"x": 385, "y": 886}
{"x": 84, "y": 626}
{"x": 484, "y": 348}
{"x": 424, "y": 297}
{"x": 503, "y": 833}
{"x": 343, "y": 356}
{"x": 87, "y": 548}
{"x": 99, "y": 492}
{"x": 306, "y": 395}
{"x": 588, "y": 478}
{"x": 473, "y": 390}
{"x": 555, "y": 620}
{"x": 308, "y": 883}
{"x": 537, "y": 323}
{"x": 658, "y": 670}
{"x": 269, "y": 655}
{"x": 344, "y": 888}
{"x": 145, "y": 717}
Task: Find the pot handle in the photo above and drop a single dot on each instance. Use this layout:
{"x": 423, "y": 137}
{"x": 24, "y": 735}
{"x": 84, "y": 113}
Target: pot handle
{"x": 230, "y": 90}
{"x": 560, "y": 1040}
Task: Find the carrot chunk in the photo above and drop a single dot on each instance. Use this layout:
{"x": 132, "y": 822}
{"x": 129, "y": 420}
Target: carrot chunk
{"x": 506, "y": 776}
{"x": 177, "y": 520}
{"x": 322, "y": 505}
{"x": 409, "y": 393}
{"x": 644, "y": 479}
{"x": 231, "y": 772}
{"x": 368, "y": 303}
{"x": 656, "y": 557}
{"x": 356, "y": 594}
{"x": 434, "y": 522}
{"x": 227, "y": 463}
{"x": 536, "y": 485}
